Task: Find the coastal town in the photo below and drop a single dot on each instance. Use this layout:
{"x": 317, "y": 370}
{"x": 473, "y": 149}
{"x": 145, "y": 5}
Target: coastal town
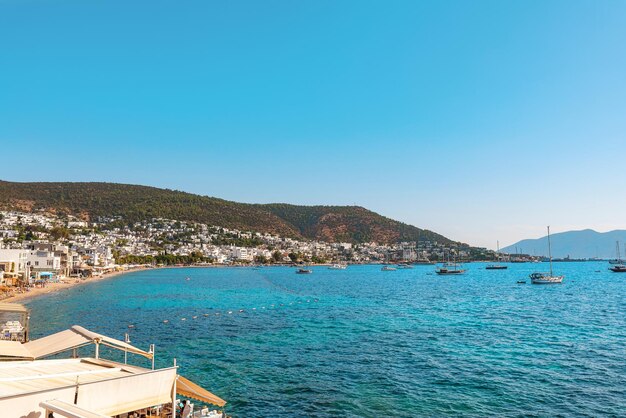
{"x": 39, "y": 248}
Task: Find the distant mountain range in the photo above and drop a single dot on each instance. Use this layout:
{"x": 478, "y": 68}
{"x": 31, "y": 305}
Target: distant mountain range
{"x": 576, "y": 244}
{"x": 133, "y": 203}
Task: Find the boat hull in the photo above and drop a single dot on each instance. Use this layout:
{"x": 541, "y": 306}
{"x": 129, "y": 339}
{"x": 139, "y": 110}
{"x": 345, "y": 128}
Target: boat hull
{"x": 541, "y": 279}
{"x": 449, "y": 272}
{"x": 337, "y": 267}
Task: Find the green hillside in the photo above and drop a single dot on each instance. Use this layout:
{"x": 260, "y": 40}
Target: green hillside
{"x": 348, "y": 224}
{"x": 134, "y": 203}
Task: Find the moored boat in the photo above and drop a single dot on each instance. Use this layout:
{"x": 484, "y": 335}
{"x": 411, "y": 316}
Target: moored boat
{"x": 450, "y": 268}
{"x": 442, "y": 271}
{"x": 388, "y": 268}
{"x": 304, "y": 271}
{"x": 618, "y": 264}
{"x": 497, "y": 265}
{"x": 546, "y": 278}
{"x": 338, "y": 266}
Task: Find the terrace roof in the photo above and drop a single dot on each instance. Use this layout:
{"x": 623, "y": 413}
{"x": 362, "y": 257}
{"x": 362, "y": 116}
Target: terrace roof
{"x": 69, "y": 339}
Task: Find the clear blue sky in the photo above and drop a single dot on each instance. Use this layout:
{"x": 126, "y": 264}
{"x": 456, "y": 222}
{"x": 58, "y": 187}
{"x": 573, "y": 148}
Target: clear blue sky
{"x": 482, "y": 120}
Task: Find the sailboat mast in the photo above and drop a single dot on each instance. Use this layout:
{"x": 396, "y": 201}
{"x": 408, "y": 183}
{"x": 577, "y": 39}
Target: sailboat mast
{"x": 550, "y": 251}
{"x": 498, "y": 252}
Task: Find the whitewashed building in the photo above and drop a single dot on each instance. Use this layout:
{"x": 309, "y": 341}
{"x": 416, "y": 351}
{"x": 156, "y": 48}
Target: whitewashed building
{"x": 14, "y": 262}
{"x": 44, "y": 261}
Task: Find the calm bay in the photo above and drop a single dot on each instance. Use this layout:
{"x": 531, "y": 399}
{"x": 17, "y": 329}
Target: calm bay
{"x": 363, "y": 342}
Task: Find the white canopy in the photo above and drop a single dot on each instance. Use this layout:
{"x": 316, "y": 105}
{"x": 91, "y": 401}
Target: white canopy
{"x": 14, "y": 350}
{"x": 91, "y": 387}
{"x": 74, "y": 337}
{"x": 186, "y": 387}
{"x": 69, "y": 410}
{"x": 13, "y": 307}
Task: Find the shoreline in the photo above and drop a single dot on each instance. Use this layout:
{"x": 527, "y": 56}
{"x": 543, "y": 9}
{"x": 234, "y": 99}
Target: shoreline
{"x": 50, "y": 288}
{"x": 55, "y": 287}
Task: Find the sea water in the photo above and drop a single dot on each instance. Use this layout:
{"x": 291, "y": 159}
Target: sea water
{"x": 369, "y": 343}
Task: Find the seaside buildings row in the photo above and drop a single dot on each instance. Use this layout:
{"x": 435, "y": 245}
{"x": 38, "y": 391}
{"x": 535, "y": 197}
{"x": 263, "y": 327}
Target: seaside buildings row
{"x": 41, "y": 246}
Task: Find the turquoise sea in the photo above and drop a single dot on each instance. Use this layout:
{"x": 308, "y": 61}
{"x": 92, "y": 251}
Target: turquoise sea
{"x": 362, "y": 342}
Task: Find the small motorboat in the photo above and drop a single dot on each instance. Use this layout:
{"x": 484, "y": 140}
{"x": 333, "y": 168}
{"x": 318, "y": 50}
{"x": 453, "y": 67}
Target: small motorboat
{"x": 404, "y": 266}
{"x": 338, "y": 266}
{"x": 496, "y": 267}
{"x": 304, "y": 271}
{"x": 388, "y": 268}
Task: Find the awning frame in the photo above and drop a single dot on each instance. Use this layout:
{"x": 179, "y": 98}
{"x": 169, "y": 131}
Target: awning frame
{"x": 60, "y": 342}
{"x": 69, "y": 410}
{"x": 189, "y": 389}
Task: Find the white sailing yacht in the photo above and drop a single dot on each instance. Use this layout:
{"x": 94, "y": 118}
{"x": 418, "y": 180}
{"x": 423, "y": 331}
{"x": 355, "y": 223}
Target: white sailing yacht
{"x": 544, "y": 278}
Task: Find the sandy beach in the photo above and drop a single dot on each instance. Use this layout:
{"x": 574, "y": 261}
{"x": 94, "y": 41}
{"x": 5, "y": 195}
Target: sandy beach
{"x": 65, "y": 284}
